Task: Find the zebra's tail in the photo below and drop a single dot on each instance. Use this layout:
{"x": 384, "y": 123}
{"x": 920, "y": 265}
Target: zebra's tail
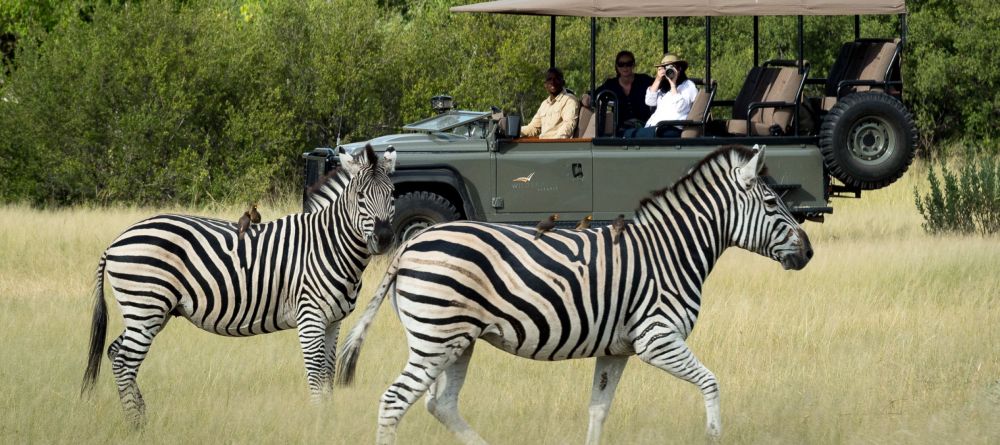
{"x": 356, "y": 338}
{"x": 98, "y": 330}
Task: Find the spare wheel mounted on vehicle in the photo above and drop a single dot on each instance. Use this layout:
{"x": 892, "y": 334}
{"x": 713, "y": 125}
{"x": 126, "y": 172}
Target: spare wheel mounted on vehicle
{"x": 868, "y": 140}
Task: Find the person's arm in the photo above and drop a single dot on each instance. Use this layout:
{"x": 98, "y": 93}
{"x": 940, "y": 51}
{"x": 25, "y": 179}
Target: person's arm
{"x": 568, "y": 115}
{"x": 534, "y": 128}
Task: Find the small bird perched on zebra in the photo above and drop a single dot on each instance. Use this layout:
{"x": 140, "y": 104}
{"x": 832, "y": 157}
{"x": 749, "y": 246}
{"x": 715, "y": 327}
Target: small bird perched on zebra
{"x": 254, "y": 214}
{"x": 546, "y": 224}
{"x": 584, "y": 223}
{"x": 243, "y": 224}
{"x": 617, "y": 227}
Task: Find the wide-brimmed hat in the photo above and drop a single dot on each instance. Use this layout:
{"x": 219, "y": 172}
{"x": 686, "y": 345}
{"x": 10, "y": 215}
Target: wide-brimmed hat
{"x": 672, "y": 59}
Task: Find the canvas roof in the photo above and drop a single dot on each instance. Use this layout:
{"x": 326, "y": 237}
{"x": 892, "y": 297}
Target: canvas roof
{"x": 680, "y": 8}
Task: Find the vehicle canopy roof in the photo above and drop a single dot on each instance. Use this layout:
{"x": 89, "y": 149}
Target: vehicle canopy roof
{"x": 686, "y": 8}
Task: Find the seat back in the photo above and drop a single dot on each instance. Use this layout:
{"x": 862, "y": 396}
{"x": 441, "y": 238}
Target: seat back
{"x": 776, "y": 81}
{"x": 749, "y": 93}
{"x": 866, "y": 59}
{"x": 586, "y": 125}
{"x": 779, "y": 84}
{"x": 699, "y": 112}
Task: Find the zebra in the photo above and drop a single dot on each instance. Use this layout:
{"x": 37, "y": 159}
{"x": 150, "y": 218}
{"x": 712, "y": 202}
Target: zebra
{"x": 576, "y": 294}
{"x": 300, "y": 271}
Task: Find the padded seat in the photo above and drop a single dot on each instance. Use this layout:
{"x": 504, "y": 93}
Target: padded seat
{"x": 694, "y": 125}
{"x": 766, "y": 104}
{"x": 862, "y": 65}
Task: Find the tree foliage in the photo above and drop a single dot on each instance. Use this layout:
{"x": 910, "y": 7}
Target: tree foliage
{"x": 193, "y": 101}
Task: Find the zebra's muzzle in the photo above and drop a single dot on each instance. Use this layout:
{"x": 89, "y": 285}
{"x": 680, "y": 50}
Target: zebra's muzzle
{"x": 797, "y": 258}
{"x": 381, "y": 238}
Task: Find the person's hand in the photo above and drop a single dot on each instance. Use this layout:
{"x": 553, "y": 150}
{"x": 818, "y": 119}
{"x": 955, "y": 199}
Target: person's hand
{"x": 661, "y": 73}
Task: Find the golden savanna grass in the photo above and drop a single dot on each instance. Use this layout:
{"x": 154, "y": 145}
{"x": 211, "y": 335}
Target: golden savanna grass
{"x": 888, "y": 336}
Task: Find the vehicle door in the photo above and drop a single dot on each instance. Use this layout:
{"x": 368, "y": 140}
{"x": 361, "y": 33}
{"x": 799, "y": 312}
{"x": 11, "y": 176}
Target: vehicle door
{"x": 544, "y": 176}
{"x": 625, "y": 173}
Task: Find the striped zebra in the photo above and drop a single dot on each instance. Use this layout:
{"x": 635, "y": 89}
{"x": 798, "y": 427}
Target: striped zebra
{"x": 576, "y": 294}
{"x": 300, "y": 271}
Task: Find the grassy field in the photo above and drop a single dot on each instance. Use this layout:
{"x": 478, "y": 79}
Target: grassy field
{"x": 888, "y": 336}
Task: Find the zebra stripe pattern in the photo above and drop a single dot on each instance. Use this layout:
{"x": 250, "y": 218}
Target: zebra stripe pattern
{"x": 576, "y": 294}
{"x": 300, "y": 271}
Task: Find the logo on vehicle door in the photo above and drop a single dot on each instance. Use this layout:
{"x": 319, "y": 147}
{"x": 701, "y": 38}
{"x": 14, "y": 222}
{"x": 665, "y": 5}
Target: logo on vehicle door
{"x": 524, "y": 179}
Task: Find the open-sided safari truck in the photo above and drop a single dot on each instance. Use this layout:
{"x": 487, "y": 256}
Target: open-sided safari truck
{"x": 466, "y": 164}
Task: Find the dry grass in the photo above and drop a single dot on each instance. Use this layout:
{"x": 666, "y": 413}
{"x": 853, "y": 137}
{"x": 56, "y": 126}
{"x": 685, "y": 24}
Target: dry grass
{"x": 888, "y": 336}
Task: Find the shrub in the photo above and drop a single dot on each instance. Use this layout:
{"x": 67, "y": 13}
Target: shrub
{"x": 966, "y": 200}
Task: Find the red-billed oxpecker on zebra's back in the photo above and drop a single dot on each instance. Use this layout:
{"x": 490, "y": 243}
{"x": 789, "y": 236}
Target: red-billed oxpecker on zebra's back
{"x": 300, "y": 271}
{"x": 576, "y": 294}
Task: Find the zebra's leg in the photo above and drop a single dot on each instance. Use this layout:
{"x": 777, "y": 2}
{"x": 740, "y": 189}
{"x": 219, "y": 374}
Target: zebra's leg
{"x": 607, "y": 372}
{"x": 117, "y": 344}
{"x": 114, "y": 347}
{"x": 442, "y": 399}
{"x": 332, "y": 332}
{"x": 127, "y": 353}
{"x": 312, "y": 339}
{"x": 666, "y": 349}
{"x": 422, "y": 369}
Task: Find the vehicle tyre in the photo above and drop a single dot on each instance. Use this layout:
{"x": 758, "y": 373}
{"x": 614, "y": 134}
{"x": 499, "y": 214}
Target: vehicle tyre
{"x": 416, "y": 211}
{"x": 868, "y": 140}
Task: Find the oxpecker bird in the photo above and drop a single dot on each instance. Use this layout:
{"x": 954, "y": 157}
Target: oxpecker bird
{"x": 244, "y": 223}
{"x": 617, "y": 227}
{"x": 546, "y": 224}
{"x": 254, "y": 214}
{"x": 584, "y": 223}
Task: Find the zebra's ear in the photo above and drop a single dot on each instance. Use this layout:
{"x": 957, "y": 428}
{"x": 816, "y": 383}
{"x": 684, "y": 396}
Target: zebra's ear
{"x": 388, "y": 161}
{"x": 750, "y": 170}
{"x": 348, "y": 162}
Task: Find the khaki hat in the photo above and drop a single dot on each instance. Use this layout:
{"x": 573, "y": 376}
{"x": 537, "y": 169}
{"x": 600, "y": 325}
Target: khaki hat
{"x": 671, "y": 59}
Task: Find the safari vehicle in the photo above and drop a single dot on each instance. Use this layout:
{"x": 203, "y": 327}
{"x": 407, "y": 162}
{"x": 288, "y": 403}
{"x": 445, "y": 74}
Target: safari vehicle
{"x": 461, "y": 164}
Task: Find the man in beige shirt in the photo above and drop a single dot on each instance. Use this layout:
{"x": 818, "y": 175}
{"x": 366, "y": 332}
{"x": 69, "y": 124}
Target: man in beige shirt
{"x": 556, "y": 116}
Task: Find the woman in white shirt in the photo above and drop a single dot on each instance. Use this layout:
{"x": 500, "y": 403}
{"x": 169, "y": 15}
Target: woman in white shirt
{"x": 672, "y": 98}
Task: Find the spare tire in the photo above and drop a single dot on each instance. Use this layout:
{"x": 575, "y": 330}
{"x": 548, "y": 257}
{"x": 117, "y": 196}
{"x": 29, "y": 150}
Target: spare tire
{"x": 868, "y": 140}
{"x": 416, "y": 211}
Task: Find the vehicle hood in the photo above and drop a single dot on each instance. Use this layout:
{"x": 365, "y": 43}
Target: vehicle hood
{"x": 420, "y": 142}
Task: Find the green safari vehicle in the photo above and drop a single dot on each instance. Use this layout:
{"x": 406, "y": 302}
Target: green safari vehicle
{"x": 854, "y": 135}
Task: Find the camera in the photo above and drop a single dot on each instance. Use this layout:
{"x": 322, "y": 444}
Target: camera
{"x": 670, "y": 72}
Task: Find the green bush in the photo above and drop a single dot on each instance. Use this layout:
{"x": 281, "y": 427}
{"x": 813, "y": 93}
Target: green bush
{"x": 165, "y": 101}
{"x": 964, "y": 200}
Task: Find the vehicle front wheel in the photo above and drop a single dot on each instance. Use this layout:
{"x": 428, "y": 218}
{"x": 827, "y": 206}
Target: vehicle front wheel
{"x": 868, "y": 140}
{"x": 416, "y": 211}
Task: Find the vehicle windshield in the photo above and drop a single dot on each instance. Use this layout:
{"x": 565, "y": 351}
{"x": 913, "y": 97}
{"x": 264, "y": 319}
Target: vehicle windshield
{"x": 446, "y": 121}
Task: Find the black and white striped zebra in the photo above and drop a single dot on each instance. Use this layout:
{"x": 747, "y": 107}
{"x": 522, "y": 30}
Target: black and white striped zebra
{"x": 576, "y": 294}
{"x": 300, "y": 271}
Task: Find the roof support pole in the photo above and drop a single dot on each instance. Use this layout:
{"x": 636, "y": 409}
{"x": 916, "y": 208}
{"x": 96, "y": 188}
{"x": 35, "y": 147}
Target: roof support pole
{"x": 802, "y": 43}
{"x": 903, "y": 30}
{"x": 593, "y": 54}
{"x": 756, "y": 41}
{"x": 552, "y": 41}
{"x": 708, "y": 51}
{"x": 666, "y": 36}
{"x": 857, "y": 27}
{"x": 802, "y": 67}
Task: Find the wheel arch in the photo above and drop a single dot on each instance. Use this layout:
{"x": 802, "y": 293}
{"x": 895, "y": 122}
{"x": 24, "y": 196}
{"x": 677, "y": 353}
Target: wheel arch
{"x": 443, "y": 181}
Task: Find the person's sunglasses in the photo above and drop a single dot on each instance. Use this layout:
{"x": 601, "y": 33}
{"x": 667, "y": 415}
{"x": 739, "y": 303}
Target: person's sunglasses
{"x": 626, "y": 64}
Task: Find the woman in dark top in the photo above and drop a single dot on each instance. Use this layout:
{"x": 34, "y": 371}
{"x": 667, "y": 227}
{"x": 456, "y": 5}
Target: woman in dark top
{"x": 631, "y": 90}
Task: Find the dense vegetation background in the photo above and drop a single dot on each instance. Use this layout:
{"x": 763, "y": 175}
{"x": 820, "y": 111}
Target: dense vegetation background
{"x": 205, "y": 101}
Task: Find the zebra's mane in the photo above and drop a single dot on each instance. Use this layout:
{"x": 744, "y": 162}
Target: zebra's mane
{"x": 326, "y": 190}
{"x": 721, "y": 154}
